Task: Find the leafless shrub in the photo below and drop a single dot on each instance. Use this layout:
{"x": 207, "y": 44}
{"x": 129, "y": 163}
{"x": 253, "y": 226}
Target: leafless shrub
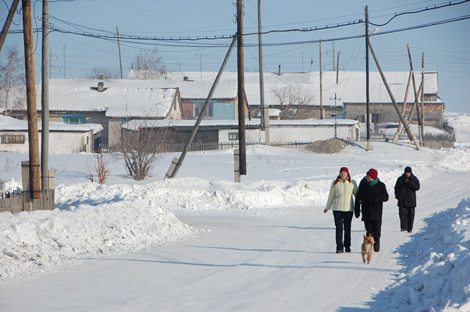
{"x": 149, "y": 65}
{"x": 100, "y": 169}
{"x": 292, "y": 95}
{"x": 141, "y": 147}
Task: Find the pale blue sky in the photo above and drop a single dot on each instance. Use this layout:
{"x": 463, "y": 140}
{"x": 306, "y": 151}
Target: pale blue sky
{"x": 446, "y": 46}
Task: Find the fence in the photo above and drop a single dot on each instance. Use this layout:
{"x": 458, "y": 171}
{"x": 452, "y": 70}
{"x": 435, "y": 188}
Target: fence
{"x": 22, "y": 202}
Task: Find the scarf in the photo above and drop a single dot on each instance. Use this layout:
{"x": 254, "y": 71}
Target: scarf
{"x": 373, "y": 182}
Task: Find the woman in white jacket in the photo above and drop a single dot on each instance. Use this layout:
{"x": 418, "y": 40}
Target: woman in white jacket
{"x": 340, "y": 200}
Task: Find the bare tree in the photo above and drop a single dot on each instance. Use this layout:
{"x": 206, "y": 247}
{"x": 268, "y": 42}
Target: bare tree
{"x": 12, "y": 83}
{"x": 103, "y": 73}
{"x": 149, "y": 65}
{"x": 141, "y": 147}
{"x": 292, "y": 95}
{"x": 100, "y": 169}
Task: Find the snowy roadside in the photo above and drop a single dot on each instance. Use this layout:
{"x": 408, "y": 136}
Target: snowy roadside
{"x": 435, "y": 273}
{"x": 32, "y": 241}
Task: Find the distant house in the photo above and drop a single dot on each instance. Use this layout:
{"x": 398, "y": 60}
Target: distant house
{"x": 297, "y": 95}
{"x": 220, "y": 134}
{"x": 63, "y": 138}
{"x": 109, "y": 103}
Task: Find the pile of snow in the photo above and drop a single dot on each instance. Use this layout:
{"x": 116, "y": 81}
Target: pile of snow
{"x": 30, "y": 241}
{"x": 436, "y": 271}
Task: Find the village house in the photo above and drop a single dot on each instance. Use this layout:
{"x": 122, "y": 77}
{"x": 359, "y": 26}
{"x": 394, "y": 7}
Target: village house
{"x": 63, "y": 138}
{"x": 109, "y": 103}
{"x": 223, "y": 134}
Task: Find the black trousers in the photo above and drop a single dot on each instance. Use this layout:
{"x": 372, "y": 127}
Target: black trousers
{"x": 407, "y": 217}
{"x": 373, "y": 227}
{"x": 343, "y": 223}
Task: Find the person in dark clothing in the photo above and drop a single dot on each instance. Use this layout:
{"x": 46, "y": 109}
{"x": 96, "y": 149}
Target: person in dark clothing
{"x": 370, "y": 196}
{"x": 405, "y": 192}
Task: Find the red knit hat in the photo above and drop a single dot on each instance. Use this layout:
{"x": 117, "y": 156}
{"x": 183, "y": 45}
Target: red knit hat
{"x": 344, "y": 169}
{"x": 373, "y": 173}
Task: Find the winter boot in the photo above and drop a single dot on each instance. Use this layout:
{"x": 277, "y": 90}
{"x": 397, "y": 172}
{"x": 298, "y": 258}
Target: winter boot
{"x": 377, "y": 245}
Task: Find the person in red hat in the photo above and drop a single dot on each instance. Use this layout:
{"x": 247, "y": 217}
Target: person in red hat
{"x": 370, "y": 196}
{"x": 340, "y": 200}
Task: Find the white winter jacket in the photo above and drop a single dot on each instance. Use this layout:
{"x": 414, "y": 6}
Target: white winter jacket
{"x": 341, "y": 196}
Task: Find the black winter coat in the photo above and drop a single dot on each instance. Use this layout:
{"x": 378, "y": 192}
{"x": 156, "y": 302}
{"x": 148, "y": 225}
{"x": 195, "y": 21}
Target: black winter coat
{"x": 405, "y": 190}
{"x": 371, "y": 198}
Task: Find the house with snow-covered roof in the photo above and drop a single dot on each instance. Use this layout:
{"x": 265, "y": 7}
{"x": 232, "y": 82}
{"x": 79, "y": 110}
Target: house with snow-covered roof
{"x": 109, "y": 103}
{"x": 63, "y": 138}
{"x": 297, "y": 95}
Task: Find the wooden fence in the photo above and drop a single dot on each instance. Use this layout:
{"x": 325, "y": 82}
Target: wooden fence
{"x": 22, "y": 202}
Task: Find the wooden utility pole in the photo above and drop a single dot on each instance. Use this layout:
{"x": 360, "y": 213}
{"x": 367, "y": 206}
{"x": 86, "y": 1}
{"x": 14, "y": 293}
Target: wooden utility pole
{"x": 7, "y": 24}
{"x": 367, "y": 80}
{"x": 119, "y": 51}
{"x": 415, "y": 93}
{"x": 263, "y": 107}
{"x": 34, "y": 170}
{"x": 403, "y": 109}
{"x": 422, "y": 98}
{"x": 322, "y": 114}
{"x": 45, "y": 97}
{"x": 337, "y": 67}
{"x": 241, "y": 88}
{"x": 394, "y": 102}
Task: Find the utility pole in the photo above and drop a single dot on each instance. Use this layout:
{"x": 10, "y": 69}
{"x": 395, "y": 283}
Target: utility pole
{"x": 241, "y": 88}
{"x": 177, "y": 162}
{"x": 34, "y": 169}
{"x": 422, "y": 98}
{"x": 333, "y": 55}
{"x": 45, "y": 98}
{"x": 200, "y": 63}
{"x": 119, "y": 51}
{"x": 367, "y": 79}
{"x": 63, "y": 52}
{"x": 7, "y": 24}
{"x": 335, "y": 98}
{"x": 416, "y": 95}
{"x": 337, "y": 67}
{"x": 264, "y": 108}
{"x": 321, "y": 85}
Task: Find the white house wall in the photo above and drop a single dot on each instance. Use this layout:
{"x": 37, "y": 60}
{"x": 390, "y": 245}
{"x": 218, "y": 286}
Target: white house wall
{"x": 299, "y": 134}
{"x": 59, "y": 143}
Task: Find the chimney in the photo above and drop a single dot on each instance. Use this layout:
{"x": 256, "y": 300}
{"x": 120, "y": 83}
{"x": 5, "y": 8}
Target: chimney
{"x": 100, "y": 86}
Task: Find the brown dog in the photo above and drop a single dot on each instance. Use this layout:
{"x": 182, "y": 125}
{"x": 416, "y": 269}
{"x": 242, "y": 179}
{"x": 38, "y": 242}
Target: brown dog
{"x": 367, "y": 248}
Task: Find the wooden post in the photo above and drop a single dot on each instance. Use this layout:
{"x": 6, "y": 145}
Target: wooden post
{"x": 322, "y": 114}
{"x": 7, "y": 24}
{"x": 367, "y": 78}
{"x": 34, "y": 168}
{"x": 241, "y": 88}
{"x": 416, "y": 95}
{"x": 394, "y": 102}
{"x": 236, "y": 165}
{"x": 45, "y": 96}
{"x": 403, "y": 109}
{"x": 173, "y": 170}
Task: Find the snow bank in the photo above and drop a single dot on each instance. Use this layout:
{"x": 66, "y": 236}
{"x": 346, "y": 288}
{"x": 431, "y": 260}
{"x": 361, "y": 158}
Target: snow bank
{"x": 31, "y": 241}
{"x": 436, "y": 274}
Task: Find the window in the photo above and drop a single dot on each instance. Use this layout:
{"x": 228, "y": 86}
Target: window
{"x": 233, "y": 136}
{"x": 12, "y": 138}
{"x": 74, "y": 119}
